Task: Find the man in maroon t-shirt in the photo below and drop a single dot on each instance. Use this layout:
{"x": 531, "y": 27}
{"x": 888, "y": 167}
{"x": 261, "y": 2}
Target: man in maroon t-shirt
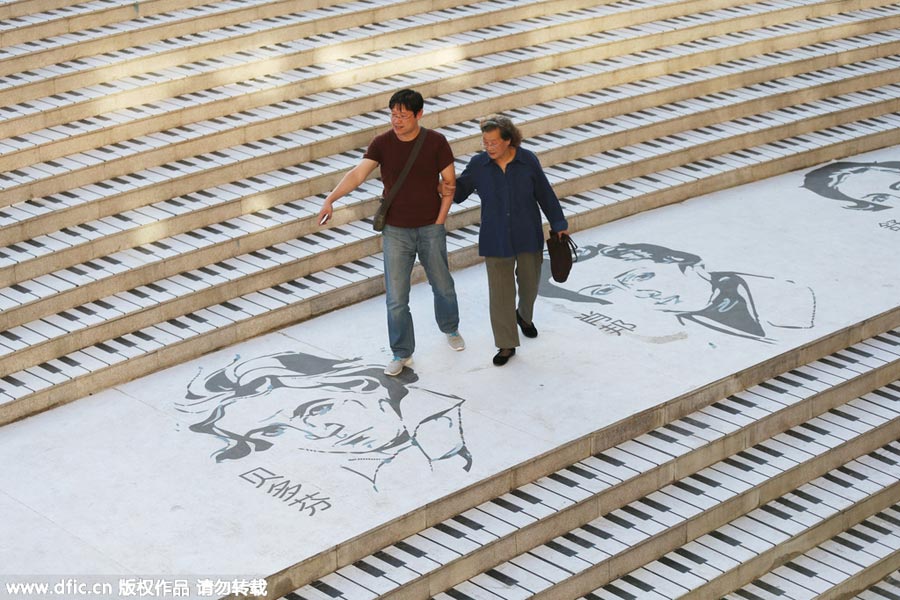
{"x": 415, "y": 221}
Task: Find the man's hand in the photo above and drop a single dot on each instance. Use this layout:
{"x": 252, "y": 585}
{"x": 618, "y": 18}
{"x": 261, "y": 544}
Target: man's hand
{"x": 324, "y": 214}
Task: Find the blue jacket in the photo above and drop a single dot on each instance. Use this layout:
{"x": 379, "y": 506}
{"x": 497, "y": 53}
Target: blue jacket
{"x": 510, "y": 220}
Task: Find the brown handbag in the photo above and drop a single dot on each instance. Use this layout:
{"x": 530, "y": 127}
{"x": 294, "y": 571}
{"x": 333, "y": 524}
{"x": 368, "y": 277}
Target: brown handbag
{"x": 562, "y": 251}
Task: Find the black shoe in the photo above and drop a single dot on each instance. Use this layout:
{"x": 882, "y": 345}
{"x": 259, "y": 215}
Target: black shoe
{"x": 503, "y": 356}
{"x": 528, "y": 329}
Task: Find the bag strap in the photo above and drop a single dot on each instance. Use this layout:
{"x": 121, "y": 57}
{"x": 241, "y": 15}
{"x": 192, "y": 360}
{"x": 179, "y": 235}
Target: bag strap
{"x": 420, "y": 141}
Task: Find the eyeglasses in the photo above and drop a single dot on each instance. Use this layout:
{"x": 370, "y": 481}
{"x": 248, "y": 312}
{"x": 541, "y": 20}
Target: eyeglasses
{"x": 492, "y": 143}
{"x": 402, "y": 116}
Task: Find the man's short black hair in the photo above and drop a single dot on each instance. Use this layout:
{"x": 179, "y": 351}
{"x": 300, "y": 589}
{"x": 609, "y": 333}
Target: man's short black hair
{"x": 411, "y": 100}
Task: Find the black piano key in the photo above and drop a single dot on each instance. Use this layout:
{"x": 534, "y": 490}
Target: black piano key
{"x": 557, "y": 547}
{"x": 691, "y": 556}
{"x": 815, "y": 429}
{"x": 742, "y": 401}
{"x": 695, "y": 423}
{"x": 662, "y": 436}
{"x": 293, "y": 596}
{"x": 748, "y": 595}
{"x": 580, "y": 472}
{"x": 846, "y": 416}
{"x": 725, "y": 539}
{"x": 806, "y": 496}
{"x": 847, "y": 543}
{"x": 370, "y": 569}
{"x": 507, "y": 505}
{"x": 525, "y": 496}
{"x": 634, "y": 513}
{"x": 775, "y": 512}
{"x": 877, "y": 528}
{"x": 563, "y": 480}
{"x": 844, "y": 357}
{"x": 452, "y": 532}
{"x": 577, "y": 540}
{"x": 766, "y": 450}
{"x": 851, "y": 473}
{"x": 772, "y": 589}
{"x": 688, "y": 488}
{"x": 882, "y": 458}
{"x": 858, "y": 352}
{"x": 832, "y": 363}
{"x": 751, "y": 458}
{"x": 654, "y": 504}
{"x": 725, "y": 408}
{"x": 800, "y": 569}
{"x": 614, "y": 589}
{"x": 678, "y": 430}
{"x": 704, "y": 480}
{"x": 794, "y": 506}
{"x": 631, "y": 579}
{"x": 886, "y": 340}
{"x": 837, "y": 480}
{"x": 884, "y": 593}
{"x": 596, "y": 531}
{"x": 799, "y": 436}
{"x": 69, "y": 361}
{"x": 504, "y": 579}
{"x": 677, "y": 566}
{"x": 772, "y": 387}
{"x": 861, "y": 536}
{"x": 738, "y": 465}
{"x": 326, "y": 589}
{"x": 886, "y": 395}
{"x": 410, "y": 549}
{"x": 787, "y": 381}
{"x": 387, "y": 558}
{"x": 454, "y": 593}
{"x": 802, "y": 375}
{"x": 467, "y": 522}
{"x": 609, "y": 459}
{"x": 889, "y": 518}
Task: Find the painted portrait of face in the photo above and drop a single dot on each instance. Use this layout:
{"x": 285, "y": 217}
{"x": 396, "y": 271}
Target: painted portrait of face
{"x": 653, "y": 281}
{"x": 863, "y": 186}
{"x": 296, "y": 402}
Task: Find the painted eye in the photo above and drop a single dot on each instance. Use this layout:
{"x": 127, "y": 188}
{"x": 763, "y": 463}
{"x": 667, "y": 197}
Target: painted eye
{"x": 273, "y": 431}
{"x": 321, "y": 409}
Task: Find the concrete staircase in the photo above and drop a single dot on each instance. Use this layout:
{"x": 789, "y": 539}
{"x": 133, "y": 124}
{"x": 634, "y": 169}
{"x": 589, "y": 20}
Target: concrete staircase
{"x": 164, "y": 161}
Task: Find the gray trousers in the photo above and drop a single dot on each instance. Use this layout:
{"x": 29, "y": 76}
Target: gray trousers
{"x": 504, "y": 275}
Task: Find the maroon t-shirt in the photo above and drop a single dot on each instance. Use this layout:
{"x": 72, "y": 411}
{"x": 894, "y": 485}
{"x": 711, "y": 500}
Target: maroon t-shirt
{"x": 417, "y": 202}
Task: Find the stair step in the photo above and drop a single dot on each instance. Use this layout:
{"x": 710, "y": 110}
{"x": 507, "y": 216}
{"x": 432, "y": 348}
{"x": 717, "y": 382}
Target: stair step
{"x": 122, "y": 159}
{"x": 624, "y": 538}
{"x": 830, "y": 509}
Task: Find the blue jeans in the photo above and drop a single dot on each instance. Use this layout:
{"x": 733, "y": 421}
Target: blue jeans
{"x": 401, "y": 245}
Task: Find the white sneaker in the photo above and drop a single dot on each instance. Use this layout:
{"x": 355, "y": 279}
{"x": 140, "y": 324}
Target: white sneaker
{"x": 396, "y": 366}
{"x": 456, "y": 341}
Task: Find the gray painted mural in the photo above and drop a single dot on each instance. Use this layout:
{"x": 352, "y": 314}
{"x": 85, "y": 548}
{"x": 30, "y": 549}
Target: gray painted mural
{"x": 868, "y": 186}
{"x": 343, "y": 409}
{"x": 639, "y": 280}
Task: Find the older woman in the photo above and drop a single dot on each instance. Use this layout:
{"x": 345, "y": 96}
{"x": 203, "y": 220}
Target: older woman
{"x": 513, "y": 190}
